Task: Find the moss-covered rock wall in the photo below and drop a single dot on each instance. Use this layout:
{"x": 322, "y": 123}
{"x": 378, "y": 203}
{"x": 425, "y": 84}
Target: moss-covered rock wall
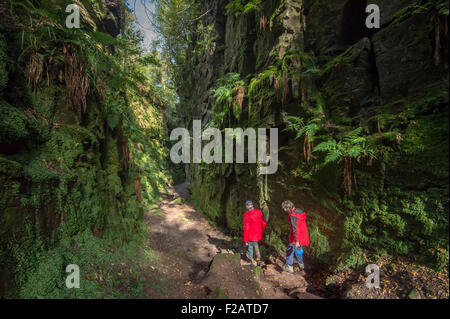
{"x": 317, "y": 62}
{"x": 66, "y": 171}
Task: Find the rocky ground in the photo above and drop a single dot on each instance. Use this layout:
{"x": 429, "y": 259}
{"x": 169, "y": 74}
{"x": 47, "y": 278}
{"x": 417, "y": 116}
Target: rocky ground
{"x": 399, "y": 279}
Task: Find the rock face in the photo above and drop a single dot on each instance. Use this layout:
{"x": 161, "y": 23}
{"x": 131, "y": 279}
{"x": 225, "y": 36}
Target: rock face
{"x": 114, "y": 13}
{"x": 324, "y": 28}
{"x": 351, "y": 83}
{"x": 316, "y": 60}
{"x": 54, "y": 166}
{"x": 404, "y": 56}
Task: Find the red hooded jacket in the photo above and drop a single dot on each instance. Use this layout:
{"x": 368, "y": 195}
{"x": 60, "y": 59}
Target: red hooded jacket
{"x": 254, "y": 223}
{"x": 299, "y": 230}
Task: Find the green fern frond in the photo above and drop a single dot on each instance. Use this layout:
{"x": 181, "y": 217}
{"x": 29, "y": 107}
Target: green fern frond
{"x": 333, "y": 156}
{"x": 327, "y": 146}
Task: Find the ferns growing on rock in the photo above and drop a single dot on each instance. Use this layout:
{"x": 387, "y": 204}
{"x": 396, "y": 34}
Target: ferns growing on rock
{"x": 229, "y": 96}
{"x": 238, "y": 7}
{"x": 352, "y": 147}
{"x": 307, "y": 131}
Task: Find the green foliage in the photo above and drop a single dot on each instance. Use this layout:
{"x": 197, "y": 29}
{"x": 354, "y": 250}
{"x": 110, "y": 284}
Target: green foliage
{"x": 354, "y": 260}
{"x": 261, "y": 87}
{"x": 16, "y": 125}
{"x": 352, "y": 145}
{"x": 206, "y": 39}
{"x": 278, "y": 10}
{"x": 297, "y": 125}
{"x": 177, "y": 31}
{"x": 319, "y": 243}
{"x": 440, "y": 259}
{"x": 227, "y": 96}
{"x": 240, "y": 7}
{"x": 64, "y": 179}
{"x": 293, "y": 69}
{"x": 105, "y": 272}
{"x": 440, "y": 7}
{"x": 92, "y": 47}
{"x": 273, "y": 240}
{"x": 443, "y": 7}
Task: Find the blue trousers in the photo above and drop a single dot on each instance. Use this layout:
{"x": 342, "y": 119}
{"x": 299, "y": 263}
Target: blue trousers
{"x": 291, "y": 251}
{"x": 252, "y": 246}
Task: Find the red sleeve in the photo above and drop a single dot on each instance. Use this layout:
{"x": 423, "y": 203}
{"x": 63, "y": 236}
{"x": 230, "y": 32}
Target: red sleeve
{"x": 264, "y": 223}
{"x": 246, "y": 228}
{"x": 303, "y": 232}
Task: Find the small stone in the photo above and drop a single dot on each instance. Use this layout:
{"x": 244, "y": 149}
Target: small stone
{"x": 414, "y": 294}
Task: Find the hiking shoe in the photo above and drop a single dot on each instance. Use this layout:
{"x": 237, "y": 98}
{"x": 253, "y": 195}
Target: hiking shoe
{"x": 252, "y": 261}
{"x": 289, "y": 268}
{"x": 301, "y": 266}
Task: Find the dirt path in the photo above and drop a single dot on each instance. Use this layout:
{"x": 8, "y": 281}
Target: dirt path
{"x": 185, "y": 244}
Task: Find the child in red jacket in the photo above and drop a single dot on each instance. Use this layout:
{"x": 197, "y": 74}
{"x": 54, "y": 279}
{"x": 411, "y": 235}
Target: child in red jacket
{"x": 254, "y": 223}
{"x": 298, "y": 235}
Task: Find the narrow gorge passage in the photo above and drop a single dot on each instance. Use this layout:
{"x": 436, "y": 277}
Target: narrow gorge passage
{"x": 133, "y": 135}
